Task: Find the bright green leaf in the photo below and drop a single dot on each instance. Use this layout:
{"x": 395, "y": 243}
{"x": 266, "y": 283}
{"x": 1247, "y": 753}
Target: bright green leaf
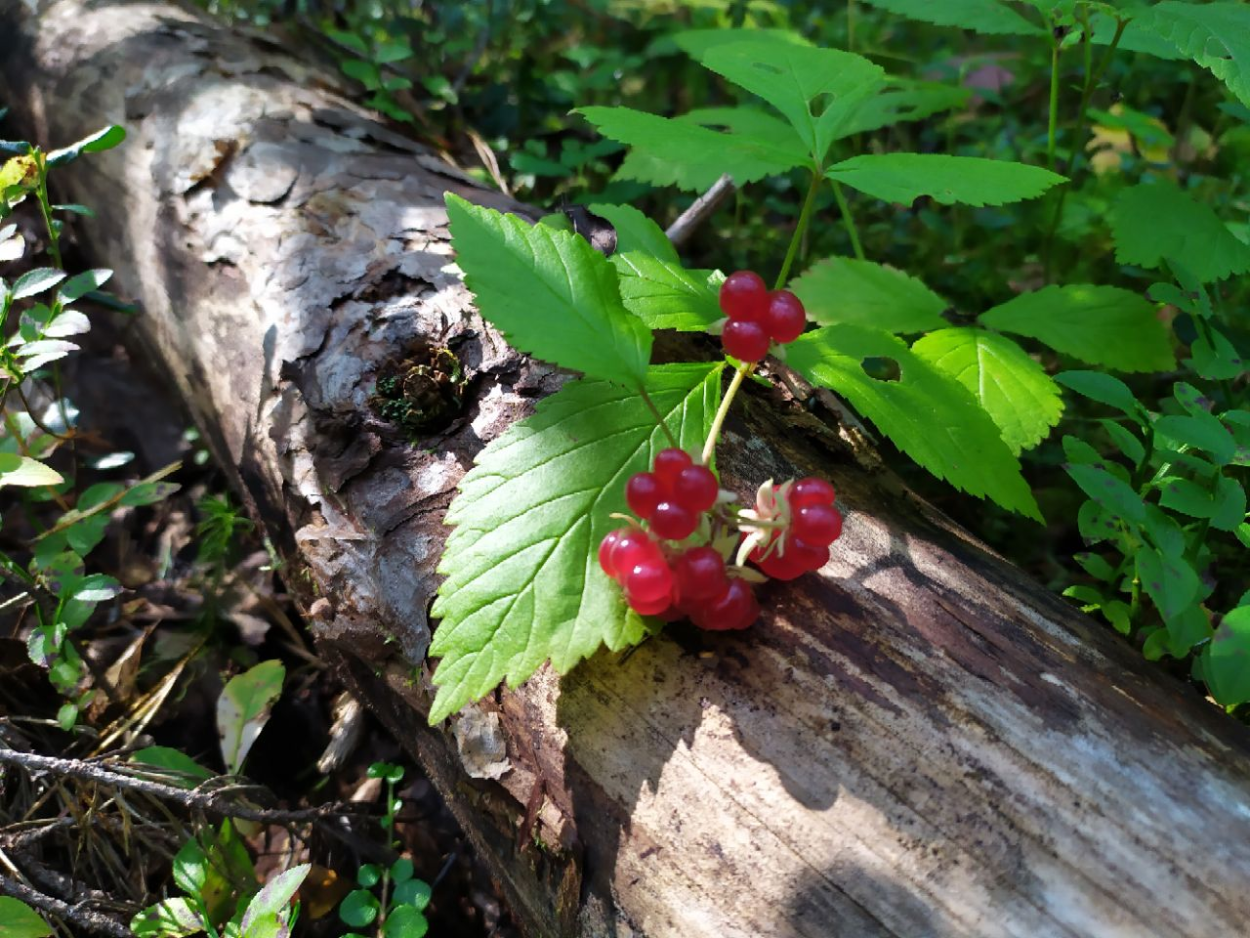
{"x": 243, "y": 710}
{"x": 523, "y": 583}
{"x": 549, "y": 292}
{"x": 18, "y": 920}
{"x": 983, "y": 16}
{"x": 187, "y": 773}
{"x": 927, "y": 414}
{"x": 665, "y": 295}
{"x": 636, "y": 232}
{"x": 903, "y": 100}
{"x": 842, "y": 290}
{"x": 405, "y": 922}
{"x": 1215, "y": 35}
{"x": 80, "y": 285}
{"x": 968, "y": 180}
{"x": 275, "y": 897}
{"x": 1157, "y": 222}
{"x": 1226, "y": 661}
{"x": 816, "y": 89}
{"x": 172, "y": 918}
{"x": 1102, "y": 325}
{"x": 414, "y": 892}
{"x": 1201, "y": 430}
{"x": 698, "y": 42}
{"x": 104, "y": 139}
{"x": 1014, "y": 389}
{"x": 359, "y": 908}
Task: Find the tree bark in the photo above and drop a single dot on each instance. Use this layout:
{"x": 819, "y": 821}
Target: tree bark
{"x": 917, "y": 741}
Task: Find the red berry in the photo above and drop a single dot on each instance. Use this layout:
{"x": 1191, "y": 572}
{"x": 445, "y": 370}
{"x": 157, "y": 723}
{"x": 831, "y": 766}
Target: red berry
{"x": 745, "y": 341}
{"x": 671, "y": 522}
{"x": 777, "y": 566}
{"x": 744, "y": 297}
{"x": 696, "y": 488}
{"x": 700, "y": 574}
{"x": 806, "y": 556}
{"x": 786, "y": 316}
{"x": 810, "y": 491}
{"x": 735, "y": 609}
{"x": 649, "y": 581}
{"x": 668, "y": 466}
{"x": 632, "y": 548}
{"x": 817, "y": 524}
{"x": 654, "y": 607}
{"x": 643, "y": 492}
{"x": 606, "y": 546}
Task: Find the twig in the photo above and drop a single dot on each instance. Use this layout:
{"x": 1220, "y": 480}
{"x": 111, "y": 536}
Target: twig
{"x": 208, "y": 802}
{"x": 680, "y": 231}
{"x": 84, "y": 919}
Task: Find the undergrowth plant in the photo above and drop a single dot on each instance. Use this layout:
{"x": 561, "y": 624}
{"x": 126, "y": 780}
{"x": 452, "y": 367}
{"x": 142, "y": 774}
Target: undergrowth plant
{"x": 39, "y": 318}
{"x": 971, "y": 395}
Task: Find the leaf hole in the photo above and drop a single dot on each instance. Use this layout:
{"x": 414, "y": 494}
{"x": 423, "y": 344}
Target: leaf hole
{"x": 881, "y": 369}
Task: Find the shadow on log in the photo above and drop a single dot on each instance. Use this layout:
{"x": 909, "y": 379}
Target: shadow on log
{"x": 918, "y": 741}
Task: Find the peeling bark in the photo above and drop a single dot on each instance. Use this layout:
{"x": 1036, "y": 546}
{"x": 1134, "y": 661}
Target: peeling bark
{"x": 918, "y": 741}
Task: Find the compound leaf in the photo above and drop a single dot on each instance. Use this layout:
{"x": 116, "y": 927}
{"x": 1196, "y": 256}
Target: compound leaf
{"x": 1014, "y": 389}
{"x": 927, "y": 414}
{"x": 549, "y": 292}
{"x": 982, "y": 16}
{"x": 1157, "y": 222}
{"x": 839, "y": 289}
{"x": 969, "y": 180}
{"x": 1215, "y": 35}
{"x": 1103, "y": 325}
{"x": 665, "y": 295}
{"x": 523, "y": 583}
{"x": 675, "y": 152}
{"x": 816, "y": 89}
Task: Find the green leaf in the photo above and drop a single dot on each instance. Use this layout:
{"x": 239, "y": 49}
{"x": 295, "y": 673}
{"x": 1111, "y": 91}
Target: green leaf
{"x": 1155, "y": 222}
{"x": 816, "y": 89}
{"x": 1105, "y": 389}
{"x": 1170, "y": 582}
{"x": 405, "y": 922}
{"x": 1226, "y": 661}
{"x": 665, "y": 295}
{"x": 80, "y": 285}
{"x": 1201, "y": 430}
{"x": 26, "y": 472}
{"x": 523, "y": 583}
{"x": 1215, "y": 360}
{"x": 401, "y": 870}
{"x": 678, "y": 153}
{"x": 1103, "y": 325}
{"x": 37, "y": 354}
{"x": 841, "y": 290}
{"x": 927, "y": 414}
{"x": 188, "y": 772}
{"x": 903, "y": 100}
{"x": 359, "y": 908}
{"x": 1015, "y": 391}
{"x": 969, "y": 180}
{"x": 549, "y": 292}
{"x": 243, "y": 710}
{"x": 1109, "y": 491}
{"x": 414, "y": 892}
{"x": 276, "y": 895}
{"x": 1215, "y": 35}
{"x": 1186, "y": 629}
{"x": 982, "y": 16}
{"x": 636, "y": 232}
{"x": 104, "y": 139}
{"x": 172, "y": 918}
{"x": 1225, "y": 507}
{"x": 18, "y": 920}
{"x": 36, "y": 281}
{"x": 698, "y": 42}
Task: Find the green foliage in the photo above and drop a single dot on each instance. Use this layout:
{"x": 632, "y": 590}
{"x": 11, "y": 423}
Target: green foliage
{"x": 1193, "y": 236}
{"x": 842, "y": 290}
{"x": 243, "y": 710}
{"x": 982, "y": 16}
{"x": 1215, "y": 35}
{"x": 905, "y": 177}
{"x": 18, "y": 920}
{"x": 523, "y": 585}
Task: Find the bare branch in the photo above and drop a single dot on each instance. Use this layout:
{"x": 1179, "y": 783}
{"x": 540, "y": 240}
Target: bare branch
{"x": 680, "y": 231}
{"x": 81, "y": 918}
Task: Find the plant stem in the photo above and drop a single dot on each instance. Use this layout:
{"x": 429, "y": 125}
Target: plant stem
{"x": 45, "y": 207}
{"x": 659, "y": 418}
{"x": 848, "y": 220}
{"x": 805, "y": 217}
{"x": 1053, "y": 119}
{"x": 709, "y": 448}
{"x": 850, "y": 25}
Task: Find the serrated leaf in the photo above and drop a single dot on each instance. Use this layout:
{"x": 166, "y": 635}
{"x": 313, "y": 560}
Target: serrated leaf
{"x": 983, "y": 16}
{"x": 1226, "y": 661}
{"x": 1105, "y": 389}
{"x": 927, "y": 414}
{"x": 673, "y": 152}
{"x": 523, "y": 582}
{"x": 903, "y": 100}
{"x": 1215, "y": 35}
{"x": 636, "y": 232}
{"x": 1015, "y": 391}
{"x": 1108, "y": 490}
{"x": 549, "y": 292}
{"x": 1155, "y": 222}
{"x": 243, "y": 710}
{"x": 968, "y": 180}
{"x": 698, "y": 42}
{"x": 1102, "y": 325}
{"x": 665, "y": 295}
{"x": 817, "y": 90}
{"x": 839, "y": 289}
{"x": 26, "y": 472}
{"x": 18, "y": 920}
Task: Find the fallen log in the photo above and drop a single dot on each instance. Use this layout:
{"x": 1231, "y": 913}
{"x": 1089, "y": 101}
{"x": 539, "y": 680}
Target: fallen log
{"x": 917, "y": 741}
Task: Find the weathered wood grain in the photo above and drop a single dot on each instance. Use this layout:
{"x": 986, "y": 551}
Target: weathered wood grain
{"x": 916, "y": 742}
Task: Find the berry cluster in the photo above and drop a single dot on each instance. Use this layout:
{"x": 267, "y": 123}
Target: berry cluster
{"x": 674, "y": 582}
{"x": 799, "y": 524}
{"x": 757, "y": 316}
